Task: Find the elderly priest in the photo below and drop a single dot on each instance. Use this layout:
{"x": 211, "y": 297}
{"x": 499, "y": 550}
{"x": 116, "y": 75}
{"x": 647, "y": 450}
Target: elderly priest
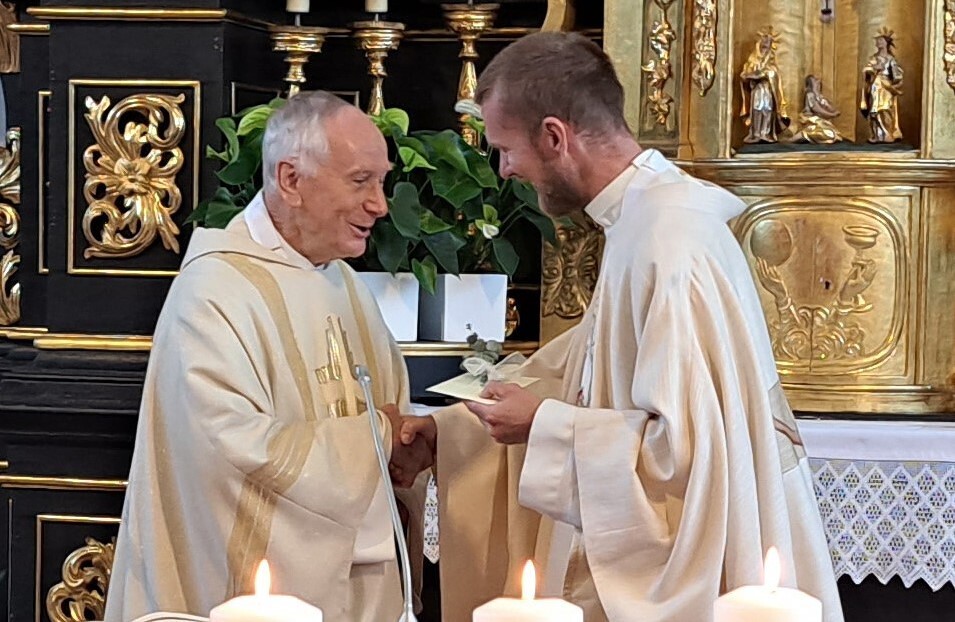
{"x": 251, "y": 441}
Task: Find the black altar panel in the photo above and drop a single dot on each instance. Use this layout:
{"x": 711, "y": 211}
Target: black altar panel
{"x": 177, "y": 59}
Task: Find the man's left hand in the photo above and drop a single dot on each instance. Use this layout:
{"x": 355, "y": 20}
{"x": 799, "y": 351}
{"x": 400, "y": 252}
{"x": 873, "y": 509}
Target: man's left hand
{"x": 509, "y": 420}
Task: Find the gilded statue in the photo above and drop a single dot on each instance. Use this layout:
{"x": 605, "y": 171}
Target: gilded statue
{"x": 764, "y": 105}
{"x": 882, "y": 80}
{"x": 815, "y": 119}
{"x": 9, "y": 40}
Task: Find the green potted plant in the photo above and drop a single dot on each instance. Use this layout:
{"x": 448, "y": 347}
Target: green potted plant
{"x": 449, "y": 227}
{"x": 450, "y": 223}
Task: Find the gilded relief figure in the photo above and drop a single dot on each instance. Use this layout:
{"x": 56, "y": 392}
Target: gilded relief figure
{"x": 814, "y": 120}
{"x": 9, "y": 40}
{"x": 764, "y": 105}
{"x": 882, "y": 87}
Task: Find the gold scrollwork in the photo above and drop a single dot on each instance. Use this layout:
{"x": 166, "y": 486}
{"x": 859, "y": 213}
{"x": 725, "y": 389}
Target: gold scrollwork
{"x": 704, "y": 44}
{"x": 569, "y": 272}
{"x": 659, "y": 70}
{"x": 131, "y": 174}
{"x": 9, "y": 228}
{"x": 948, "y": 53}
{"x": 82, "y": 593}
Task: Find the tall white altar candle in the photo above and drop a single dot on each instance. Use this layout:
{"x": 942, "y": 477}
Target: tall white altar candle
{"x": 296, "y": 6}
{"x": 263, "y": 606}
{"x": 767, "y": 602}
{"x": 527, "y": 608}
{"x": 376, "y": 6}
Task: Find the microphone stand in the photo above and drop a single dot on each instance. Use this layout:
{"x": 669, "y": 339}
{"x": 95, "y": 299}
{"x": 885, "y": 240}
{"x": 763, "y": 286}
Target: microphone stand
{"x": 361, "y": 374}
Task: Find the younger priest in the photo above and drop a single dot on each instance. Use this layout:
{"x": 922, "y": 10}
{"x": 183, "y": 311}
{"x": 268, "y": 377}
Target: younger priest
{"x": 251, "y": 444}
{"x": 667, "y": 461}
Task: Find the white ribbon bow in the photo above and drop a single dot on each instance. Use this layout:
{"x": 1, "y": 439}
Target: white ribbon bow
{"x": 502, "y": 371}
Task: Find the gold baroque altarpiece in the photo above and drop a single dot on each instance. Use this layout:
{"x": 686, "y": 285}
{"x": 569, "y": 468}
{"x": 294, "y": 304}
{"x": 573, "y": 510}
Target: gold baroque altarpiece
{"x": 850, "y": 247}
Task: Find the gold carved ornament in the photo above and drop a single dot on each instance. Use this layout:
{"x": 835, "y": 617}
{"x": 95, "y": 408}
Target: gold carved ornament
{"x": 131, "y": 174}
{"x": 822, "y": 332}
{"x": 704, "y": 44}
{"x": 569, "y": 272}
{"x": 659, "y": 70}
{"x": 9, "y": 228}
{"x": 82, "y": 593}
{"x": 948, "y": 54}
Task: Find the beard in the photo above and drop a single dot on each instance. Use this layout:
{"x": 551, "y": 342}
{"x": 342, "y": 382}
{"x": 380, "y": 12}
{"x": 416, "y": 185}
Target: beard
{"x": 559, "y": 198}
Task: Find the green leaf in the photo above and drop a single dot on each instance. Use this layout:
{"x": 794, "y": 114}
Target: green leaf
{"x": 525, "y": 192}
{"x": 480, "y": 169}
{"x": 453, "y": 185}
{"x": 242, "y": 168}
{"x": 226, "y": 125}
{"x": 505, "y": 255}
{"x": 255, "y": 119}
{"x": 426, "y": 272}
{"x": 543, "y": 223}
{"x": 405, "y": 210}
{"x": 450, "y": 147}
{"x": 444, "y": 247}
{"x": 277, "y": 103}
{"x": 490, "y": 214}
{"x": 212, "y": 154}
{"x": 431, "y": 224}
{"x": 390, "y": 246}
{"x": 392, "y": 122}
{"x": 220, "y": 213}
{"x": 412, "y": 159}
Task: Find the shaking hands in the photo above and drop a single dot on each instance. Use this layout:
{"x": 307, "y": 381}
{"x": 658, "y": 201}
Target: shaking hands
{"x": 412, "y": 446}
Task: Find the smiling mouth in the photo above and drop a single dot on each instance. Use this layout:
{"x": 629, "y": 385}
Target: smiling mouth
{"x": 362, "y": 232}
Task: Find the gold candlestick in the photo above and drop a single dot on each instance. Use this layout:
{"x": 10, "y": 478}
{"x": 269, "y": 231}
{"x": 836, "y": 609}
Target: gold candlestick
{"x": 299, "y": 42}
{"x": 469, "y": 21}
{"x": 376, "y": 39}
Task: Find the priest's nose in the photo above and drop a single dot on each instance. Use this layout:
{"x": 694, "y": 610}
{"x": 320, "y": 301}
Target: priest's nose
{"x": 505, "y": 166}
{"x": 377, "y": 204}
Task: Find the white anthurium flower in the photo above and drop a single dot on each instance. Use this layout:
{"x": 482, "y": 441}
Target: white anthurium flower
{"x": 490, "y": 231}
{"x": 468, "y": 106}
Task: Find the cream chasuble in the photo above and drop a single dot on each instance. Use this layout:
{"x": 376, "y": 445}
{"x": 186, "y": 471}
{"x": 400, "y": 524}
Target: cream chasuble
{"x": 238, "y": 457}
{"x": 669, "y": 452}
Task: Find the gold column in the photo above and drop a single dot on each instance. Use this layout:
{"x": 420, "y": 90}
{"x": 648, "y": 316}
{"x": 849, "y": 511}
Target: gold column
{"x": 469, "y": 21}
{"x": 377, "y": 38}
{"x": 299, "y": 42}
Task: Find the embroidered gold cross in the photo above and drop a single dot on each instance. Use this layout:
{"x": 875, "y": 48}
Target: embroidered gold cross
{"x": 339, "y": 389}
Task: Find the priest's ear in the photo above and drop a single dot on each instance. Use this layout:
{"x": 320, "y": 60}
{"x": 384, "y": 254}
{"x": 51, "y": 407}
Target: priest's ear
{"x": 288, "y": 182}
{"x": 554, "y": 138}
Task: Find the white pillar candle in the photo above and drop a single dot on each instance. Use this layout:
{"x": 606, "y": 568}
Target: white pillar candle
{"x": 527, "y": 608}
{"x": 263, "y": 606}
{"x": 767, "y": 602}
{"x": 296, "y": 6}
{"x": 376, "y": 6}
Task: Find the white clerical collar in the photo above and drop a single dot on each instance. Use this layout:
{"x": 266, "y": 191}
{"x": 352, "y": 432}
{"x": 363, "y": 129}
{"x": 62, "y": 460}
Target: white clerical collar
{"x": 604, "y": 209}
{"x": 263, "y": 231}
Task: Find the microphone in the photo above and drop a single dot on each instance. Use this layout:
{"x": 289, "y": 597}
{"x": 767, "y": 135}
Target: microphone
{"x": 360, "y": 372}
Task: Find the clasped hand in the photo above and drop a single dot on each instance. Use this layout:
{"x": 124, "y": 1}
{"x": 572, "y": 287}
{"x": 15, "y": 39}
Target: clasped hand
{"x": 410, "y": 458}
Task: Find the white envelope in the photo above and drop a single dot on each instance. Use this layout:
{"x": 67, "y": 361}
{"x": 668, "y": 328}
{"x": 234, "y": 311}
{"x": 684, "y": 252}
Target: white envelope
{"x": 468, "y": 387}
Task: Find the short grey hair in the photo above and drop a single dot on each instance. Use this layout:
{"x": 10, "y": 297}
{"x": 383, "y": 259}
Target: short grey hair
{"x": 297, "y": 131}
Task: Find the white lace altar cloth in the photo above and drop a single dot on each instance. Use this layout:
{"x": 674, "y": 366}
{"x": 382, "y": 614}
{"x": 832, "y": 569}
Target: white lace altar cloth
{"x": 886, "y": 493}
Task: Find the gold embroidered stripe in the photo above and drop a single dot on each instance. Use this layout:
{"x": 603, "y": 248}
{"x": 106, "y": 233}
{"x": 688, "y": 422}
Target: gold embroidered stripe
{"x": 287, "y": 451}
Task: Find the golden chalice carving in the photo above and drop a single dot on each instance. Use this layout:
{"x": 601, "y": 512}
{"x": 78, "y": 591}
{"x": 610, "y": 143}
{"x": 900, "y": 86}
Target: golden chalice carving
{"x": 804, "y": 332}
{"x": 339, "y": 390}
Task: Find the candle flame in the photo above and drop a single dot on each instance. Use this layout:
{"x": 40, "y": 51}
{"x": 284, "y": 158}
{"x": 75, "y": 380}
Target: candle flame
{"x": 263, "y": 579}
{"x": 771, "y": 568}
{"x": 529, "y": 582}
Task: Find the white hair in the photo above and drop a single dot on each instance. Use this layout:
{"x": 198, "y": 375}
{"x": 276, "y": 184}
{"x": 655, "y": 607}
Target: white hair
{"x": 297, "y": 131}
